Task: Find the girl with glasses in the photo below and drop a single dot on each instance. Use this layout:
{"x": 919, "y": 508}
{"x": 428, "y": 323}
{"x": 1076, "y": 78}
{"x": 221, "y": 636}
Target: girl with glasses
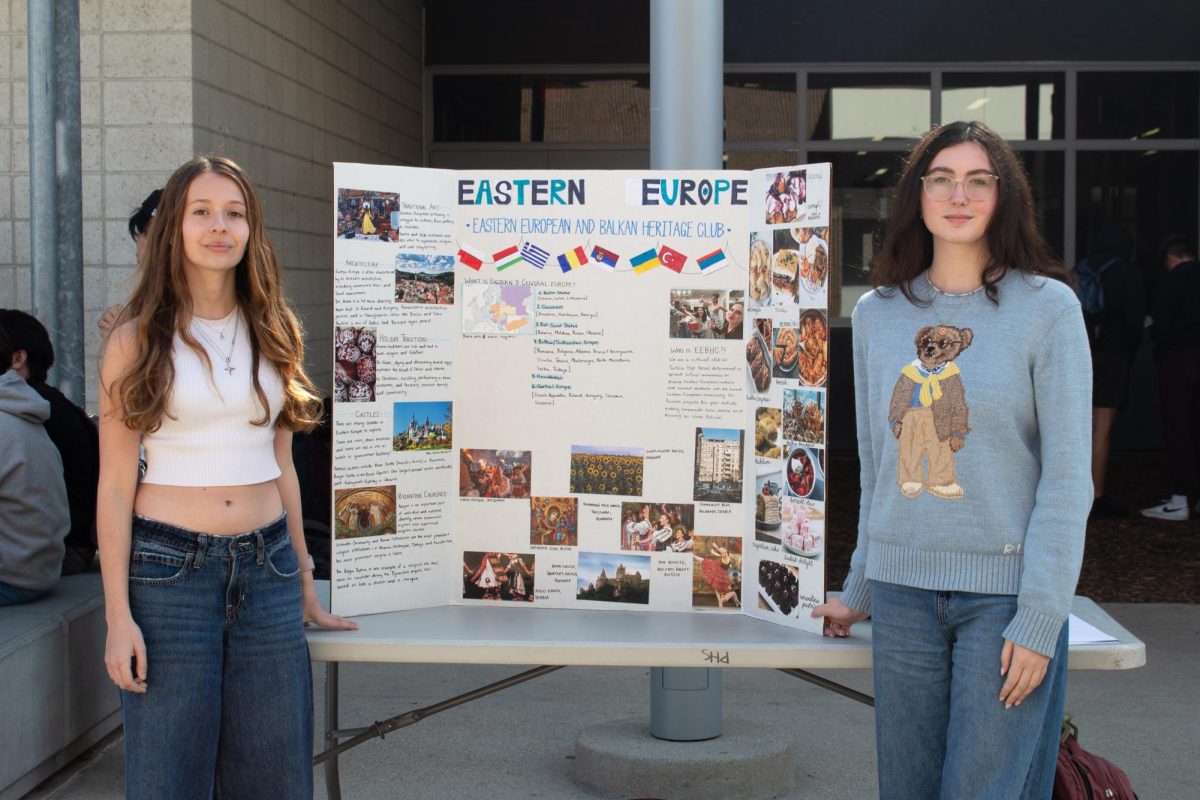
{"x": 972, "y": 384}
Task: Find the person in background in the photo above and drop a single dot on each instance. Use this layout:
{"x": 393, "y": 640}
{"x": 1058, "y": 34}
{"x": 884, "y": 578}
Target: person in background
{"x": 69, "y": 427}
{"x": 33, "y": 499}
{"x": 1110, "y": 292}
{"x": 968, "y": 569}
{"x": 1176, "y": 334}
{"x": 139, "y": 223}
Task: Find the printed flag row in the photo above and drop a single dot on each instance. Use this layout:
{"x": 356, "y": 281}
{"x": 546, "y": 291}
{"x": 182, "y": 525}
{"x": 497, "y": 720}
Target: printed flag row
{"x": 576, "y": 257}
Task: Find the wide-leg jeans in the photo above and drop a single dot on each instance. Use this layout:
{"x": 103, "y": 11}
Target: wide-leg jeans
{"x": 940, "y": 728}
{"x": 228, "y": 706}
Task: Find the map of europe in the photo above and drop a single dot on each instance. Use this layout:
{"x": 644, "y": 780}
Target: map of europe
{"x": 489, "y": 308}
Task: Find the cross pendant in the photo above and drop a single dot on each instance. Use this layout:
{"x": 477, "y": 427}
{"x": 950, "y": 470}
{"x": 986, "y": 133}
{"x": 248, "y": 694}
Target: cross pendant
{"x": 228, "y": 370}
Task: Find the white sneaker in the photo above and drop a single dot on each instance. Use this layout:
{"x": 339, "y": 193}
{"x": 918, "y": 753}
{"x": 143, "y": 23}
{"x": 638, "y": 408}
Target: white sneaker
{"x": 1165, "y": 510}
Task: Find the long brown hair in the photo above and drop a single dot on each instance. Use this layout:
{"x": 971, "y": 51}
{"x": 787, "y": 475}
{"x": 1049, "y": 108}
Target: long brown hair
{"x": 161, "y": 306}
{"x": 1013, "y": 238}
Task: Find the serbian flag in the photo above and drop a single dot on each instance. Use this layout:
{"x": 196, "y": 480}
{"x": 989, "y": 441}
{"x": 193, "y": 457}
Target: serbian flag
{"x": 715, "y": 257}
{"x": 644, "y": 262}
{"x": 507, "y": 257}
{"x": 671, "y": 259}
{"x": 606, "y": 257}
{"x": 470, "y": 256}
{"x": 572, "y": 259}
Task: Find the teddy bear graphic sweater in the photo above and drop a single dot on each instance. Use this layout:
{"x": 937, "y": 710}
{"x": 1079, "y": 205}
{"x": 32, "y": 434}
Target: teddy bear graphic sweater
{"x": 974, "y": 436}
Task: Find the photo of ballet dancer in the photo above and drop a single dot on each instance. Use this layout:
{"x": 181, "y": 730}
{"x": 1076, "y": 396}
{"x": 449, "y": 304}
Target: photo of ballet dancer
{"x": 611, "y": 578}
{"x": 554, "y": 521}
{"x": 658, "y": 527}
{"x": 494, "y": 473}
{"x": 717, "y": 572}
{"x": 498, "y": 576}
{"x": 607, "y": 470}
{"x": 368, "y": 511}
{"x": 718, "y": 474}
{"x": 422, "y": 279}
{"x": 707, "y": 314}
{"x": 422, "y": 426}
{"x": 787, "y": 192}
{"x": 368, "y": 215}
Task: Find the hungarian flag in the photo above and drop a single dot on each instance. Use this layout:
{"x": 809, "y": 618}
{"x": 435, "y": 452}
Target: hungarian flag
{"x": 715, "y": 257}
{"x": 470, "y": 256}
{"x": 671, "y": 259}
{"x": 644, "y": 262}
{"x": 507, "y": 257}
{"x": 572, "y": 259}
{"x": 606, "y": 257}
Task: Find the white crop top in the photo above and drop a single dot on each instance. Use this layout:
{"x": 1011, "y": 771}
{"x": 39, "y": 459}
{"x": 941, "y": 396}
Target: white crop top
{"x": 211, "y": 441}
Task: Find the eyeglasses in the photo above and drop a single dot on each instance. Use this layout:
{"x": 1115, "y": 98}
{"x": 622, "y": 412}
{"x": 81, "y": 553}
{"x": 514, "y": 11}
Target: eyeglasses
{"x": 980, "y": 186}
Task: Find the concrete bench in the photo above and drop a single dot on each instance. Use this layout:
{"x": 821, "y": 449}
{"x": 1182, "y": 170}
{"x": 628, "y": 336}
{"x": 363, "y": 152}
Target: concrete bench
{"x": 56, "y": 698}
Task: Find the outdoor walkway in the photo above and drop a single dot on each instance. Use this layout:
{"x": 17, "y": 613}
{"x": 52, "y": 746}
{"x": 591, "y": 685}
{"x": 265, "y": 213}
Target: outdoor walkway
{"x": 518, "y": 744}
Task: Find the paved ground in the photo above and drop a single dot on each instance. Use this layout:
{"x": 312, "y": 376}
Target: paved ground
{"x": 518, "y": 744}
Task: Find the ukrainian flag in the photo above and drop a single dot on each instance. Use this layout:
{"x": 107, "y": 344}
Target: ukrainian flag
{"x": 644, "y": 262}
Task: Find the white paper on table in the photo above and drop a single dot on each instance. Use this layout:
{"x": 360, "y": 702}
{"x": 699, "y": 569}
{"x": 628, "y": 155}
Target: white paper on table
{"x": 1081, "y": 632}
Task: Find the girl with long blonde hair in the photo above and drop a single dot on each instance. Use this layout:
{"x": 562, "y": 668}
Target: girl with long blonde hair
{"x": 207, "y": 578}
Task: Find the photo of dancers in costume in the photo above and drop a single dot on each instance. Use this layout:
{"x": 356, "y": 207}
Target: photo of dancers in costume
{"x": 717, "y": 572}
{"x": 656, "y": 527}
{"x": 366, "y": 214}
{"x": 370, "y": 511}
{"x": 494, "y": 473}
{"x": 495, "y": 575}
{"x": 554, "y": 521}
{"x": 606, "y": 470}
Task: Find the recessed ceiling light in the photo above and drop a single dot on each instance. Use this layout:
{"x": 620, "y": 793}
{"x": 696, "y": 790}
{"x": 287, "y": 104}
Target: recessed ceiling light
{"x": 980, "y": 103}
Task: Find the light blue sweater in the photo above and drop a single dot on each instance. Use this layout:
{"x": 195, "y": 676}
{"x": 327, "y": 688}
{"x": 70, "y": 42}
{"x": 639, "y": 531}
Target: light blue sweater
{"x": 1006, "y": 512}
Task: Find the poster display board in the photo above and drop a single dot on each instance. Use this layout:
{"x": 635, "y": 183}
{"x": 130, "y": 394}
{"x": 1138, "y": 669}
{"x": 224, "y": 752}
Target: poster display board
{"x": 594, "y": 389}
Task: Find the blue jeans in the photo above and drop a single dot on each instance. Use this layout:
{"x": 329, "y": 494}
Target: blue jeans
{"x": 228, "y": 704}
{"x": 940, "y": 728}
{"x": 11, "y": 595}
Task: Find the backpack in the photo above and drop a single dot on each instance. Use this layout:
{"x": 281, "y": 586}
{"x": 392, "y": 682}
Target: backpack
{"x": 1089, "y": 288}
{"x": 1081, "y": 775}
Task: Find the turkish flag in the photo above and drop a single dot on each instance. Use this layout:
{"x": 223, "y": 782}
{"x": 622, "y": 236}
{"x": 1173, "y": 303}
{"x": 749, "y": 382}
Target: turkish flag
{"x": 671, "y": 259}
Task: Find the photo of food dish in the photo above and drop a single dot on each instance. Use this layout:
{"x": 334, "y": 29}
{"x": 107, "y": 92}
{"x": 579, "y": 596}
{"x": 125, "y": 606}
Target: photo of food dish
{"x": 768, "y": 501}
{"x": 814, "y": 257}
{"x": 778, "y": 587}
{"x": 786, "y": 352}
{"x": 813, "y": 347}
{"x": 784, "y": 266}
{"x": 766, "y": 432}
{"x": 760, "y": 269}
{"x": 786, "y": 195}
{"x": 804, "y": 473}
{"x": 804, "y": 415}
{"x": 804, "y": 537}
{"x": 759, "y": 362}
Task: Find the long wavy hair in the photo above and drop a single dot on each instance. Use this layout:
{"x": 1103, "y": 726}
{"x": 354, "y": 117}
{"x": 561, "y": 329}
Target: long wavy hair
{"x": 161, "y": 306}
{"x": 1014, "y": 240}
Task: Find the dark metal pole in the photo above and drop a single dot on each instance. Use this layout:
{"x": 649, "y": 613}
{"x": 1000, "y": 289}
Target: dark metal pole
{"x": 55, "y": 187}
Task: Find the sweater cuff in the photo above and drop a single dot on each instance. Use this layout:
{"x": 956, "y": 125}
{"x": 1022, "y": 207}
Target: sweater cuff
{"x": 1035, "y": 631}
{"x": 856, "y": 594}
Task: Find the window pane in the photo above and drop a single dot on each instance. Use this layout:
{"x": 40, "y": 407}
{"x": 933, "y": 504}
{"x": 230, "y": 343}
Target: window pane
{"x": 1017, "y": 105}
{"x": 515, "y": 108}
{"x": 874, "y": 106}
{"x": 759, "y": 159}
{"x": 1046, "y": 177}
{"x": 1127, "y": 105}
{"x": 760, "y": 108}
{"x": 1152, "y": 194}
{"x": 860, "y": 205}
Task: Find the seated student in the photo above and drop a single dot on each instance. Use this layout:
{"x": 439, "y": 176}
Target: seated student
{"x": 69, "y": 427}
{"x": 33, "y": 499}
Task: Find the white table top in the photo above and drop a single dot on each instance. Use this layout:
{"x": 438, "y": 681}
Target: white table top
{"x": 568, "y": 637}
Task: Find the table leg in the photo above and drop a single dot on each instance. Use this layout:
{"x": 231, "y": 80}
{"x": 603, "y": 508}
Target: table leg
{"x": 685, "y": 703}
{"x": 333, "y": 786}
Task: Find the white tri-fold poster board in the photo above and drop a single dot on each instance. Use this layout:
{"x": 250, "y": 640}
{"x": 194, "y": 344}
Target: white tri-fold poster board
{"x": 594, "y": 389}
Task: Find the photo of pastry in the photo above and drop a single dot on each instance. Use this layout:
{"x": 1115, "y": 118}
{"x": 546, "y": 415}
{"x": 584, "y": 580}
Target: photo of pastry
{"x": 778, "y": 587}
{"x": 759, "y": 363}
{"x": 766, "y": 432}
{"x": 760, "y": 268}
{"x": 813, "y": 347}
{"x": 786, "y": 352}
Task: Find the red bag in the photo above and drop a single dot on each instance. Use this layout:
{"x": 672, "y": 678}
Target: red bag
{"x": 1081, "y": 775}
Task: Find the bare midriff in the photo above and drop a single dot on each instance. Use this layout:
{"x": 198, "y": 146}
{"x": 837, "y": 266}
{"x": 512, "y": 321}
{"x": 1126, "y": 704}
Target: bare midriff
{"x": 217, "y": 510}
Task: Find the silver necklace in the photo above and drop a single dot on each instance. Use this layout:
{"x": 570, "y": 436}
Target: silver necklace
{"x": 211, "y": 329}
{"x": 226, "y": 357}
{"x": 962, "y": 300}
